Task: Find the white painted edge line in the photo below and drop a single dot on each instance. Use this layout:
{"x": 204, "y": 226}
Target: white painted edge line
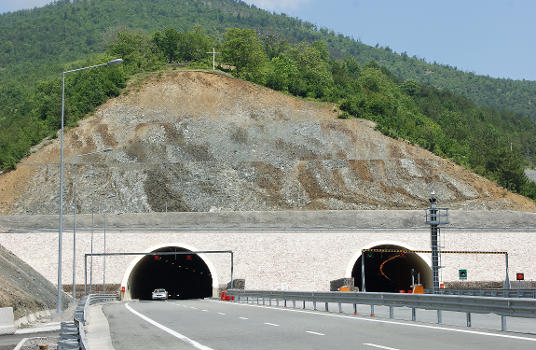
{"x": 357, "y": 318}
{"x": 168, "y": 330}
{"x": 221, "y": 313}
{"x": 315, "y": 333}
{"x": 243, "y": 318}
{"x": 21, "y": 343}
{"x": 379, "y": 346}
{"x": 271, "y": 324}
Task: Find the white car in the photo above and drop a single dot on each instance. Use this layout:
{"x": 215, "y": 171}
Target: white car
{"x": 160, "y": 294}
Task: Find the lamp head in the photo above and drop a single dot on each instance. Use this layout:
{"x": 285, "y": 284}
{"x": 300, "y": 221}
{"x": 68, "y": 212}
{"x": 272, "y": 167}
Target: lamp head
{"x": 112, "y": 62}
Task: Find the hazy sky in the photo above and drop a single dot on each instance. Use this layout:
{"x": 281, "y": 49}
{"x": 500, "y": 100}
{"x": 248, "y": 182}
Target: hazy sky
{"x": 493, "y": 37}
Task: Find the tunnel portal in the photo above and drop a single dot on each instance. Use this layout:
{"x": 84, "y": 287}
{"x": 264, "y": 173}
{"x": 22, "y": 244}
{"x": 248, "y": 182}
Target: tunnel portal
{"x": 391, "y": 272}
{"x": 183, "y": 276}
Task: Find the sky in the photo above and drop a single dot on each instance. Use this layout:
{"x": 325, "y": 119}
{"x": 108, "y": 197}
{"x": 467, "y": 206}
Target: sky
{"x": 489, "y": 37}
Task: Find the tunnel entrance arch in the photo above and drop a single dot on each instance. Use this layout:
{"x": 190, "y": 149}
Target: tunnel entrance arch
{"x": 184, "y": 276}
{"x": 389, "y": 271}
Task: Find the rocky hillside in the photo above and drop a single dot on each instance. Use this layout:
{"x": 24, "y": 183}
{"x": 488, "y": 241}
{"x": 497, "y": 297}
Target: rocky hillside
{"x": 23, "y": 288}
{"x": 197, "y": 141}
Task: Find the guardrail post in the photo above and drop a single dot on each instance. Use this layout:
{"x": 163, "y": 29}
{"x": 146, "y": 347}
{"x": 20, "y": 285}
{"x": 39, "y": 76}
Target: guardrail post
{"x": 439, "y": 317}
{"x": 355, "y": 309}
{"x": 257, "y": 300}
{"x": 468, "y": 319}
{"x": 285, "y": 302}
{"x": 391, "y": 312}
{"x": 371, "y": 310}
{"x": 263, "y": 301}
{"x": 304, "y": 304}
{"x": 327, "y": 306}
{"x": 340, "y": 308}
{"x": 413, "y": 314}
{"x": 314, "y": 305}
{"x": 247, "y": 300}
{"x": 294, "y": 304}
{"x": 503, "y": 323}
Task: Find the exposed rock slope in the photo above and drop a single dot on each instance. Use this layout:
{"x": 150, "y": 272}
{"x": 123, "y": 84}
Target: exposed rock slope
{"x": 23, "y": 288}
{"x": 194, "y": 141}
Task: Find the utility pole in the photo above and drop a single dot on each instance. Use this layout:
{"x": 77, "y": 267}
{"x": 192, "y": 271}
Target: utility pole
{"x": 435, "y": 216}
{"x": 213, "y": 52}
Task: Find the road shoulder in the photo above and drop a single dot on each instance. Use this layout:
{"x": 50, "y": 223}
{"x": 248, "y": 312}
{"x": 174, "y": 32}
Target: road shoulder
{"x": 98, "y": 330}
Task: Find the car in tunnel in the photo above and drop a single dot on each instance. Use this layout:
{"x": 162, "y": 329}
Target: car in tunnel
{"x": 160, "y": 294}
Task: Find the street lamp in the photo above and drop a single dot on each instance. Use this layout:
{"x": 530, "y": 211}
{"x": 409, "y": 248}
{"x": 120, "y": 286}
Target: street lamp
{"x": 104, "y": 250}
{"x": 60, "y": 230}
{"x": 74, "y": 208}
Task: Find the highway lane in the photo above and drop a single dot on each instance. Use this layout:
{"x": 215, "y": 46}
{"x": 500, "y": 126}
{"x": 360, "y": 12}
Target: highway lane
{"x": 8, "y": 342}
{"x": 207, "y": 324}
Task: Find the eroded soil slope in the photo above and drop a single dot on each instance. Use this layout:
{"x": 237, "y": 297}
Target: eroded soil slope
{"x": 194, "y": 141}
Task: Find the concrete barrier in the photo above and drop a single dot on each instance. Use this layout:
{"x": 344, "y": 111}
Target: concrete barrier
{"x": 7, "y": 324}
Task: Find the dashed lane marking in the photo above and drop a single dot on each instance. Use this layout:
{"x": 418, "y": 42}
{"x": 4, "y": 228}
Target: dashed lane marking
{"x": 168, "y": 330}
{"x": 221, "y": 313}
{"x": 406, "y": 324}
{"x": 315, "y": 333}
{"x": 243, "y": 318}
{"x": 271, "y": 324}
{"x": 379, "y": 346}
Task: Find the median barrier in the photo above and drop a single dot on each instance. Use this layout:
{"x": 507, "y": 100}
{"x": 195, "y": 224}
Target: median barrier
{"x": 7, "y": 321}
{"x": 512, "y": 307}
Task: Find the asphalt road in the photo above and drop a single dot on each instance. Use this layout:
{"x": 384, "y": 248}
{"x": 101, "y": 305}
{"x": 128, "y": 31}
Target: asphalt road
{"x": 8, "y": 342}
{"x": 207, "y": 324}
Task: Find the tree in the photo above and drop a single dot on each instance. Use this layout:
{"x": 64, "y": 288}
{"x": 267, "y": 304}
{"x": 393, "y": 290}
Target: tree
{"x": 194, "y": 44}
{"x": 282, "y": 73}
{"x": 242, "y": 49}
{"x": 167, "y": 41}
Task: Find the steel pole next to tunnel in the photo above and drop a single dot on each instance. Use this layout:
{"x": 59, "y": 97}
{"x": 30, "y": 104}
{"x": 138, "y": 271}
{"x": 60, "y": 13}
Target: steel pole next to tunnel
{"x": 434, "y": 217}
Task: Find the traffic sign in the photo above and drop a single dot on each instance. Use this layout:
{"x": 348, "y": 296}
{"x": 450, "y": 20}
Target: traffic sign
{"x": 462, "y": 274}
{"x": 520, "y": 276}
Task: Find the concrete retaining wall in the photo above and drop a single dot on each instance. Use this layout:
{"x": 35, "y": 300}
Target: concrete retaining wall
{"x": 7, "y": 324}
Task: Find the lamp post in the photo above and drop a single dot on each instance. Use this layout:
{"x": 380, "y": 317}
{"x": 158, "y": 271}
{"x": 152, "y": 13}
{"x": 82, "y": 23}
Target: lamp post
{"x": 104, "y": 250}
{"x": 435, "y": 216}
{"x": 74, "y": 208}
{"x": 60, "y": 229}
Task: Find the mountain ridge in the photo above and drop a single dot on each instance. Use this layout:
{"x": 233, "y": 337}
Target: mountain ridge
{"x": 83, "y": 26}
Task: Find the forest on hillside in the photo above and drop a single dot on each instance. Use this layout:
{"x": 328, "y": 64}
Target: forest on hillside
{"x": 37, "y": 43}
{"x": 450, "y": 125}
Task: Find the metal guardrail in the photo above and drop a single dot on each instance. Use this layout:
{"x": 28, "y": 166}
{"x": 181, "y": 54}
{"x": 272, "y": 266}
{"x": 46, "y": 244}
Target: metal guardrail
{"x": 507, "y": 293}
{"x": 73, "y": 334}
{"x": 514, "y": 307}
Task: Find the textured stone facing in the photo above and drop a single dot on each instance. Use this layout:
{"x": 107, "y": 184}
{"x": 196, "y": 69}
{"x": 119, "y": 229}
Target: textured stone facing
{"x": 276, "y": 259}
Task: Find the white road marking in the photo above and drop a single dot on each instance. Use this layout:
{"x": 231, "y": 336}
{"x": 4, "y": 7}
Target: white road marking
{"x": 271, "y": 324}
{"x": 192, "y": 307}
{"x": 357, "y": 318}
{"x": 380, "y": 346}
{"x": 221, "y": 313}
{"x": 316, "y": 333}
{"x": 204, "y": 310}
{"x": 243, "y": 318}
{"x": 168, "y": 330}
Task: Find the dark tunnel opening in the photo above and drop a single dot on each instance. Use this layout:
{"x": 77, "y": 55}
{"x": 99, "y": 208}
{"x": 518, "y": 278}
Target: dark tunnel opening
{"x": 182, "y": 276}
{"x": 391, "y": 272}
